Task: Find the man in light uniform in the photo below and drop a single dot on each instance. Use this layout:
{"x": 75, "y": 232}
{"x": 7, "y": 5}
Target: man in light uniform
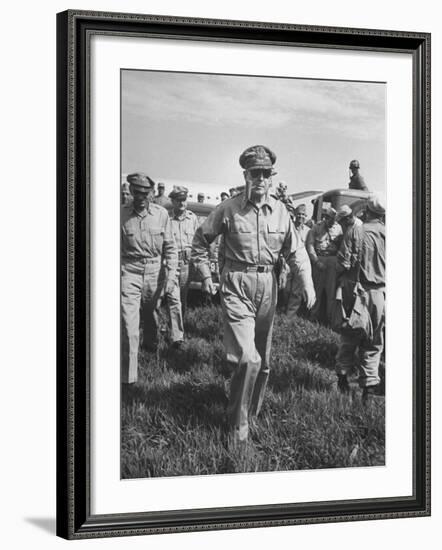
{"x": 256, "y": 228}
{"x": 161, "y": 198}
{"x": 322, "y": 244}
{"x": 361, "y": 264}
{"x": 146, "y": 241}
{"x": 184, "y": 224}
{"x": 294, "y": 283}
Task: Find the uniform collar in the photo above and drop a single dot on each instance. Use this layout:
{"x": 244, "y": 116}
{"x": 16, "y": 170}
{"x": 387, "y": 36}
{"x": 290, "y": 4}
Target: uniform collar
{"x": 184, "y": 215}
{"x": 144, "y": 213}
{"x": 269, "y": 202}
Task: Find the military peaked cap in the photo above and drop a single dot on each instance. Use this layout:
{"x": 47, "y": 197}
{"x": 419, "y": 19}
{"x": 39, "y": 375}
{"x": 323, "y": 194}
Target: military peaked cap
{"x": 179, "y": 192}
{"x": 140, "y": 179}
{"x": 257, "y": 156}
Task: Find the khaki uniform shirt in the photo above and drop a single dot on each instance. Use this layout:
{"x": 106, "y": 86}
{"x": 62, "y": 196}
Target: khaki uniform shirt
{"x": 323, "y": 241}
{"x": 363, "y": 248}
{"x": 183, "y": 229}
{"x": 251, "y": 235}
{"x": 357, "y": 182}
{"x": 302, "y": 231}
{"x": 148, "y": 235}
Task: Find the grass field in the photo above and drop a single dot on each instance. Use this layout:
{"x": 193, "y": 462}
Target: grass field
{"x": 173, "y": 419}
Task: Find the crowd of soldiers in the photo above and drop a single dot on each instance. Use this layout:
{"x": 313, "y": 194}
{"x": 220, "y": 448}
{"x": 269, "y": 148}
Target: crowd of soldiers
{"x": 335, "y": 270}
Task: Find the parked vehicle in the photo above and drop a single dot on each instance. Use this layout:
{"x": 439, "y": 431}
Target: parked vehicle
{"x": 354, "y": 198}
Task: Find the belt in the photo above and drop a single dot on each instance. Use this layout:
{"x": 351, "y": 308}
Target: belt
{"x": 182, "y": 254}
{"x": 239, "y": 266}
{"x": 141, "y": 260}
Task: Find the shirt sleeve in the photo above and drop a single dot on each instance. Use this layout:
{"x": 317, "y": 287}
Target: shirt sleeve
{"x": 205, "y": 234}
{"x": 310, "y": 245}
{"x": 170, "y": 253}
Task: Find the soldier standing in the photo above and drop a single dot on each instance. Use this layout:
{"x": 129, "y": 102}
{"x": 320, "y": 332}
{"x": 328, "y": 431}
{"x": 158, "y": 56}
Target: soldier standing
{"x": 356, "y": 180}
{"x": 346, "y": 218}
{"x": 126, "y": 197}
{"x": 161, "y": 198}
{"x": 361, "y": 264}
{"x": 256, "y": 229}
{"x": 184, "y": 224}
{"x": 322, "y": 244}
{"x": 294, "y": 282}
{"x": 148, "y": 262}
{"x": 201, "y": 197}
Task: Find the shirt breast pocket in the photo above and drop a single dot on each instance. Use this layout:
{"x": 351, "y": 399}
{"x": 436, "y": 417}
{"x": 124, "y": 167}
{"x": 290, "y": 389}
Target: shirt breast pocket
{"x": 157, "y": 238}
{"x": 188, "y": 236}
{"x": 241, "y": 234}
{"x": 275, "y": 236}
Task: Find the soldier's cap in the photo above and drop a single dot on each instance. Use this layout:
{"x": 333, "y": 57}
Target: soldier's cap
{"x": 301, "y": 208}
{"x": 178, "y": 192}
{"x": 257, "y": 156}
{"x": 161, "y": 184}
{"x": 354, "y": 164}
{"x": 375, "y": 205}
{"x": 344, "y": 212}
{"x": 201, "y": 195}
{"x": 141, "y": 180}
{"x": 224, "y": 193}
{"x": 328, "y": 210}
{"x": 282, "y": 185}
{"x": 125, "y": 187}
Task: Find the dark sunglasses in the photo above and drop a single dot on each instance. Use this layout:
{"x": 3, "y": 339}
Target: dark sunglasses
{"x": 256, "y": 172}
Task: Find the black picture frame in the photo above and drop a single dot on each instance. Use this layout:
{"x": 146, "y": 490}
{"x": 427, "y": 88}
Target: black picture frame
{"x": 74, "y": 518}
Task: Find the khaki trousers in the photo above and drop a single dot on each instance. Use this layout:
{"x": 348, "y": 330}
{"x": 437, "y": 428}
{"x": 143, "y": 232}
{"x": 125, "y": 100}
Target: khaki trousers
{"x": 325, "y": 288}
{"x": 248, "y": 301}
{"x": 177, "y": 302}
{"x": 141, "y": 287}
{"x": 369, "y": 351}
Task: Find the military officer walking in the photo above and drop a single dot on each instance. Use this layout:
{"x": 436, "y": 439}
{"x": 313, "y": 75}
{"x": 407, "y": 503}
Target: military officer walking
{"x": 148, "y": 262}
{"x": 256, "y": 229}
{"x": 184, "y": 224}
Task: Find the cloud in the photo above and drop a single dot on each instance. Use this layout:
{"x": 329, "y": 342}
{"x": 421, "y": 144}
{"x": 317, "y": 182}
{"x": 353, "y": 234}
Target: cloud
{"x": 316, "y": 106}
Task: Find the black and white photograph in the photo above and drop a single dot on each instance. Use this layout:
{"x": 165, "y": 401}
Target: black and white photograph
{"x": 253, "y": 273}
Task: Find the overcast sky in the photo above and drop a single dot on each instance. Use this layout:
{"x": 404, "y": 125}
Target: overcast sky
{"x": 193, "y": 127}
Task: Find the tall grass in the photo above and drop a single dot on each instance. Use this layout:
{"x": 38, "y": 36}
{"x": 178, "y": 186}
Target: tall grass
{"x": 173, "y": 419}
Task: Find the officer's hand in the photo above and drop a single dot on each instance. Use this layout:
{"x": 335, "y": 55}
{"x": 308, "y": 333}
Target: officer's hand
{"x": 208, "y": 286}
{"x": 309, "y": 296}
{"x": 320, "y": 265}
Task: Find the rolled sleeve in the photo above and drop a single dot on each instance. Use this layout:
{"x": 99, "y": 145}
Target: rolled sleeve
{"x": 206, "y": 233}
